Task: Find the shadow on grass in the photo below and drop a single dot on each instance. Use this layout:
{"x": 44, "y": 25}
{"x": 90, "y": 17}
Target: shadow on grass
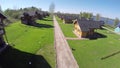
{"x": 14, "y": 58}
{"x": 47, "y": 19}
{"x": 42, "y": 25}
{"x": 73, "y": 49}
{"x": 96, "y": 36}
{"x": 108, "y": 56}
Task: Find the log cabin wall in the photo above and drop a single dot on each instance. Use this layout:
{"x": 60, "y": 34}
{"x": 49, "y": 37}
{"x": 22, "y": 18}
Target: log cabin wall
{"x": 2, "y": 32}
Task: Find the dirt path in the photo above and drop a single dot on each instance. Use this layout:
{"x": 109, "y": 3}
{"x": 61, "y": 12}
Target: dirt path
{"x": 78, "y": 37}
{"x": 65, "y": 58}
{"x": 68, "y": 38}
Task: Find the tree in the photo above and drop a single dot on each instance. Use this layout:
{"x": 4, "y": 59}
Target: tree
{"x": 81, "y": 14}
{"x": 14, "y": 14}
{"x": 30, "y": 9}
{"x": 116, "y": 21}
{"x": 86, "y": 15}
{"x": 1, "y": 9}
{"x": 52, "y": 8}
{"x": 90, "y": 15}
{"x": 98, "y": 17}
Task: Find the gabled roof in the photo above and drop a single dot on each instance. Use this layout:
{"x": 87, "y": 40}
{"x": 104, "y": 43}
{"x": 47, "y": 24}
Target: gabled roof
{"x": 70, "y": 17}
{"x": 2, "y": 16}
{"x": 28, "y": 13}
{"x": 39, "y": 12}
{"x": 31, "y": 13}
{"x": 86, "y": 25}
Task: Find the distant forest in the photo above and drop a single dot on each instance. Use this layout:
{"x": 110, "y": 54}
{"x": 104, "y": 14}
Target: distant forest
{"x": 13, "y": 15}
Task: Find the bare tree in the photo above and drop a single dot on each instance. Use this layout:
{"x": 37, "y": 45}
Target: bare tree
{"x": 52, "y": 8}
{"x": 1, "y": 9}
{"x": 98, "y": 17}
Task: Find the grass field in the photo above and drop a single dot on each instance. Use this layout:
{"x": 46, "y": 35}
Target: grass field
{"x": 97, "y": 53}
{"x": 30, "y": 43}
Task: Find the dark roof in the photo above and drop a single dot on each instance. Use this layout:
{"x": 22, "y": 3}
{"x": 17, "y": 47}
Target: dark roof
{"x": 2, "y": 16}
{"x": 83, "y": 18}
{"x": 31, "y": 13}
{"x": 70, "y": 17}
{"x": 85, "y": 25}
{"x": 40, "y": 12}
{"x": 118, "y": 25}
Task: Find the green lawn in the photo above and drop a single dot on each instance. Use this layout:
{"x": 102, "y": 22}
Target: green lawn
{"x": 66, "y": 28}
{"x": 88, "y": 53}
{"x": 31, "y": 43}
{"x": 97, "y": 53}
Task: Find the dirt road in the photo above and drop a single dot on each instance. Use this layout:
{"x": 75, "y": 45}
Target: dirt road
{"x": 65, "y": 58}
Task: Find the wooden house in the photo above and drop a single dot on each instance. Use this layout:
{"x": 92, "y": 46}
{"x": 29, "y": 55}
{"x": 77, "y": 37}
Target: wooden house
{"x": 85, "y": 28}
{"x": 45, "y": 14}
{"x": 2, "y": 32}
{"x": 68, "y": 18}
{"x": 28, "y": 18}
{"x": 39, "y": 14}
{"x": 60, "y": 15}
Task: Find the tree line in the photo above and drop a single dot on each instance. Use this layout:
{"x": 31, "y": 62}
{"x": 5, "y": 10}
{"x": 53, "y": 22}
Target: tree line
{"x": 14, "y": 14}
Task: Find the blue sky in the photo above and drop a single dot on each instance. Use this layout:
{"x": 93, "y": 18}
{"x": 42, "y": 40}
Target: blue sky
{"x": 107, "y": 8}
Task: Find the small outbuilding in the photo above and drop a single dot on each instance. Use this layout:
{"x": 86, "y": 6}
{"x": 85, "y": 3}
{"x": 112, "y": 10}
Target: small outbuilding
{"x": 117, "y": 29}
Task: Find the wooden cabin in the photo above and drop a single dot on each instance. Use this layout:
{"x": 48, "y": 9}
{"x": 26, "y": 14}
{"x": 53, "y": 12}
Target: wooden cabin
{"x": 28, "y": 18}
{"x": 60, "y": 15}
{"x": 2, "y": 32}
{"x": 68, "y": 18}
{"x": 85, "y": 28}
{"x": 39, "y": 15}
